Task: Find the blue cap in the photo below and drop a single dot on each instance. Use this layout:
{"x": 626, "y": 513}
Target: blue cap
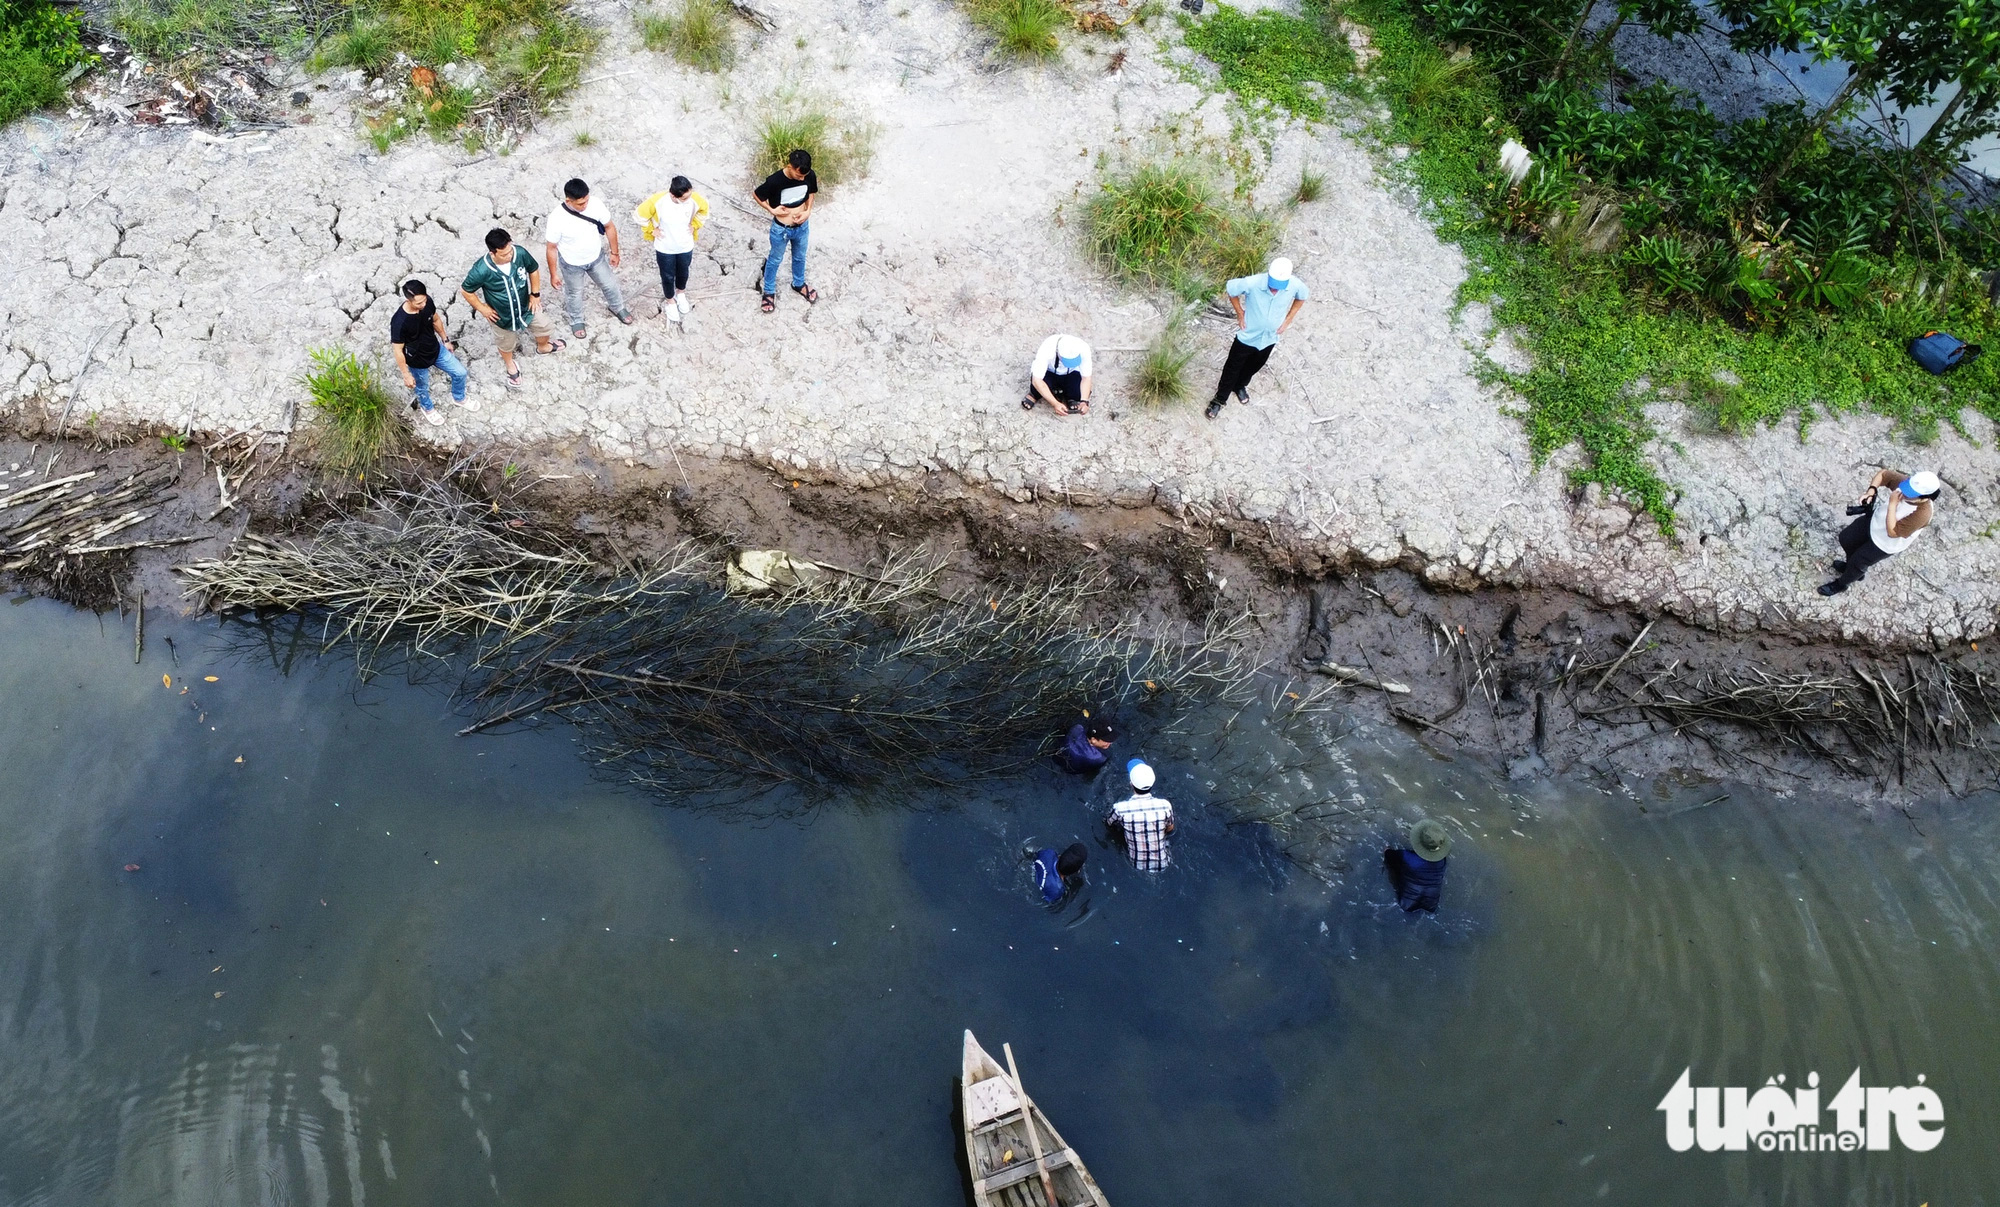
{"x": 1070, "y": 362}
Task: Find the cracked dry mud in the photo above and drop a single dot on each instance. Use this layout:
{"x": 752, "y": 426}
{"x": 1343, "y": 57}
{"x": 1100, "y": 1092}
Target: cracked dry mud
{"x": 180, "y": 279}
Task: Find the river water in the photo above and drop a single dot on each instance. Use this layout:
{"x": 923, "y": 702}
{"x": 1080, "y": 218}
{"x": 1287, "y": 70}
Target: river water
{"x": 362, "y": 960}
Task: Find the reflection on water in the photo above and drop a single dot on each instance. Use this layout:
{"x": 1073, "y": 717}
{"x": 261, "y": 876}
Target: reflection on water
{"x": 374, "y": 963}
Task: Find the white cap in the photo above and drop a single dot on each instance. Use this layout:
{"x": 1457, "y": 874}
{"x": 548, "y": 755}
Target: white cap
{"x": 1281, "y": 271}
{"x": 1140, "y": 773}
{"x": 1921, "y": 483}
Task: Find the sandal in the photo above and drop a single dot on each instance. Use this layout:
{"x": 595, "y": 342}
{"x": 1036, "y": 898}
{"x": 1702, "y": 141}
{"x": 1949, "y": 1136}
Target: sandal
{"x": 555, "y": 346}
{"x": 627, "y": 319}
{"x": 807, "y": 292}
{"x": 1028, "y": 403}
{"x": 578, "y": 332}
{"x": 770, "y": 302}
{"x": 514, "y": 380}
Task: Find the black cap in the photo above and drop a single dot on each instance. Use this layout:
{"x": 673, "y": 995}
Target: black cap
{"x": 1071, "y": 861}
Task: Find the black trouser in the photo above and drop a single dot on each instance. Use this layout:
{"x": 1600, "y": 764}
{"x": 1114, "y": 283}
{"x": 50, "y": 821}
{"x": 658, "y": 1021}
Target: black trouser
{"x": 673, "y": 271}
{"x": 1067, "y": 387}
{"x": 1242, "y": 365}
{"x": 1862, "y": 552}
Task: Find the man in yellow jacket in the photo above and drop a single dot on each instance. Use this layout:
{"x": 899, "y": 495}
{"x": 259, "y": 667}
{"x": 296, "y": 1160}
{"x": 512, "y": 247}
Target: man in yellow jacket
{"x": 670, "y": 221}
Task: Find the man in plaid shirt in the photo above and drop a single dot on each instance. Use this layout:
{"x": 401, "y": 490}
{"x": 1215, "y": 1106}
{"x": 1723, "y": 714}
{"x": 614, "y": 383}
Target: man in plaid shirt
{"x": 1143, "y": 820}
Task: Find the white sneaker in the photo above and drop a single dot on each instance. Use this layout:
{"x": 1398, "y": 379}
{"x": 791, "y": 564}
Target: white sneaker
{"x": 681, "y": 300}
{"x": 469, "y": 402}
{"x": 433, "y": 416}
{"x": 672, "y": 312}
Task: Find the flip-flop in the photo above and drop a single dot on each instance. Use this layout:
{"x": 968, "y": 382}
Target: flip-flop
{"x": 770, "y": 302}
{"x": 578, "y": 332}
{"x": 514, "y": 380}
{"x": 1028, "y": 403}
{"x": 627, "y": 319}
{"x": 555, "y": 346}
{"x": 807, "y": 292}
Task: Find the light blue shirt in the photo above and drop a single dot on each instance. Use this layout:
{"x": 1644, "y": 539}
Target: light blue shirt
{"x": 1263, "y": 310}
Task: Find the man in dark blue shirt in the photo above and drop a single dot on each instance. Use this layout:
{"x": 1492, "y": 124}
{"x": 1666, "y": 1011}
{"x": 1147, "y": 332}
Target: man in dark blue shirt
{"x": 1088, "y": 746}
{"x": 1056, "y": 874}
{"x": 1417, "y": 871}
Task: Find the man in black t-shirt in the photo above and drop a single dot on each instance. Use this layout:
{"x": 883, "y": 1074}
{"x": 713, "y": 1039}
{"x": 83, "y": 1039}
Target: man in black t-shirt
{"x": 420, "y": 343}
{"x": 787, "y": 196}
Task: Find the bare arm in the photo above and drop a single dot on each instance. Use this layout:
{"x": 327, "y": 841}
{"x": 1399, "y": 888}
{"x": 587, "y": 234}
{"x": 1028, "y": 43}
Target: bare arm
{"x": 1236, "y": 304}
{"x": 1298, "y": 304}
{"x": 535, "y": 292}
{"x": 409, "y": 378}
{"x": 437, "y": 324}
{"x": 555, "y": 273}
{"x": 479, "y": 304}
{"x": 611, "y": 233}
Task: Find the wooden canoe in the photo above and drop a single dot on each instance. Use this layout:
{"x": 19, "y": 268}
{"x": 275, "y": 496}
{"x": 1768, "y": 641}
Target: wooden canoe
{"x": 1018, "y": 1158}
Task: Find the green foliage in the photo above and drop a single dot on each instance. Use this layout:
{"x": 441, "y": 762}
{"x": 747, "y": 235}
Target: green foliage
{"x": 356, "y": 424}
{"x": 1026, "y": 29}
{"x": 174, "y": 442}
{"x": 697, "y": 33}
{"x": 40, "y": 45}
{"x": 841, "y": 150}
{"x": 1167, "y": 223}
{"x": 1311, "y": 185}
{"x": 1804, "y": 314}
{"x": 1162, "y": 373}
{"x": 1272, "y": 57}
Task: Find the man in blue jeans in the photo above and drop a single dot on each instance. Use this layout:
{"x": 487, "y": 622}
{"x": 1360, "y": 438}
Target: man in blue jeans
{"x": 787, "y": 196}
{"x": 420, "y": 343}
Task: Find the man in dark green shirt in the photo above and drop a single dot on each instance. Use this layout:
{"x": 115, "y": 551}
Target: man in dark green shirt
{"x": 509, "y": 285}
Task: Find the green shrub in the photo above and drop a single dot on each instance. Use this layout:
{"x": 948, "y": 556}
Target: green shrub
{"x": 356, "y": 424}
{"x": 367, "y": 44}
{"x": 1311, "y": 185}
{"x": 1166, "y": 223}
{"x": 39, "y": 45}
{"x": 696, "y": 32}
{"x": 841, "y": 150}
{"x": 171, "y": 29}
{"x": 1162, "y": 374}
{"x": 1024, "y": 28}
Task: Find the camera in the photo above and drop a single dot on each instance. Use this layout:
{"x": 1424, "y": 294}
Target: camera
{"x": 1858, "y": 509}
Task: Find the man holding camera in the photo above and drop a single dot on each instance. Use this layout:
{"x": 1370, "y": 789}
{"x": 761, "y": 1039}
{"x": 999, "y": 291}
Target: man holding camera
{"x": 1892, "y": 512}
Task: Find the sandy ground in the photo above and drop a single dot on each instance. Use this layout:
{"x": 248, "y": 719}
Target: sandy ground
{"x": 176, "y": 278}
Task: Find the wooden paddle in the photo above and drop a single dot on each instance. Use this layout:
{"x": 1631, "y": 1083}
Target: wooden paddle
{"x": 1028, "y": 1117}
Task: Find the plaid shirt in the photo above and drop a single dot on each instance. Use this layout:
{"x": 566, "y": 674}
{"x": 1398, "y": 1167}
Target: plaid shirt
{"x": 1144, "y": 820}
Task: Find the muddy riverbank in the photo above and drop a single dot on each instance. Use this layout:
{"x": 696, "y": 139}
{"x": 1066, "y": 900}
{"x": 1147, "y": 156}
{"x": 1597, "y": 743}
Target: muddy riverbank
{"x": 1539, "y": 681}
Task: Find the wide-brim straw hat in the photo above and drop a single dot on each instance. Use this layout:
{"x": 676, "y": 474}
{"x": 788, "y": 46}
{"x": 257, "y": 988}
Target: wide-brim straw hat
{"x": 1430, "y": 840}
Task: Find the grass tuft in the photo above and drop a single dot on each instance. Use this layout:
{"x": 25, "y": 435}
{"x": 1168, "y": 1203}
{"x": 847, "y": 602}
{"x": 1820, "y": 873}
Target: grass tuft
{"x": 1311, "y": 185}
{"x": 356, "y": 424}
{"x": 697, "y": 33}
{"x": 1162, "y": 374}
{"x": 1273, "y": 58}
{"x": 1167, "y": 223}
{"x": 1025, "y": 29}
{"x": 841, "y": 150}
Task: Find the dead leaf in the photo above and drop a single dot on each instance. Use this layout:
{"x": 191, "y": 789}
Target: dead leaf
{"x": 166, "y": 680}
{"x": 220, "y": 992}
{"x": 424, "y": 80}
{"x": 131, "y": 867}
{"x": 208, "y": 679}
{"x": 239, "y": 758}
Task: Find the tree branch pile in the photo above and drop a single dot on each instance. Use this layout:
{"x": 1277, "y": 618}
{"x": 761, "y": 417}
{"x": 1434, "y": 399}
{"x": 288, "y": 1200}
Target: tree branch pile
{"x": 851, "y": 683}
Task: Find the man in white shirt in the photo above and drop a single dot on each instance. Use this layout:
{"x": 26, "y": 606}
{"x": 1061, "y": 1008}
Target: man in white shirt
{"x": 1143, "y": 820}
{"x": 1060, "y": 376}
{"x": 582, "y": 241}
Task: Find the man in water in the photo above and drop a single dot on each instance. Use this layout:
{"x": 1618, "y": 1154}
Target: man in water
{"x": 1056, "y": 874}
{"x": 1143, "y": 821}
{"x": 1416, "y": 872}
{"x": 1088, "y": 746}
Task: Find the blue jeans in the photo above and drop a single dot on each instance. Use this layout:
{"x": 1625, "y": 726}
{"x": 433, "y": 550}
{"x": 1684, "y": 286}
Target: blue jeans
{"x": 600, "y": 271}
{"x": 452, "y": 367}
{"x": 783, "y": 236}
